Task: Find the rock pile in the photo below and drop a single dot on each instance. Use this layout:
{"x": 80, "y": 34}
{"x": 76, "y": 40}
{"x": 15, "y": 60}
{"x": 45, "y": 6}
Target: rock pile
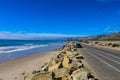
{"x": 64, "y": 65}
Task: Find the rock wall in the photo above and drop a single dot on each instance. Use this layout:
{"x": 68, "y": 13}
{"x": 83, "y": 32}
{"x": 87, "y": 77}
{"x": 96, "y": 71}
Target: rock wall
{"x": 66, "y": 64}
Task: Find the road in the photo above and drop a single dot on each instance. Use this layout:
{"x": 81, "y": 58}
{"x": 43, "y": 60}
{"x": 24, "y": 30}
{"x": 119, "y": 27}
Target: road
{"x": 105, "y": 62}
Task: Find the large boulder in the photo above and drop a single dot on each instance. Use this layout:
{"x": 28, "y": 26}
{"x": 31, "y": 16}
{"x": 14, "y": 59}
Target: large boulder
{"x": 79, "y": 57}
{"x": 73, "y": 54}
{"x": 66, "y": 62}
{"x": 56, "y": 59}
{"x": 66, "y": 77}
{"x": 60, "y": 56}
{"x": 80, "y": 74}
{"x": 71, "y": 64}
{"x": 59, "y": 73}
{"x": 75, "y": 65}
{"x": 42, "y": 76}
{"x": 44, "y": 67}
{"x": 52, "y": 61}
{"x": 54, "y": 67}
{"x": 68, "y": 53}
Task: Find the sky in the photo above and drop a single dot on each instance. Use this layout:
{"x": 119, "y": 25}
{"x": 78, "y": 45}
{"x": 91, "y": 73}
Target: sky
{"x": 58, "y": 18}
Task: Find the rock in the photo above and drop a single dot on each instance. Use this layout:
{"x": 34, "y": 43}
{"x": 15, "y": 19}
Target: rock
{"x": 34, "y": 72}
{"x": 91, "y": 79}
{"x": 79, "y": 57}
{"x": 68, "y": 53}
{"x": 44, "y": 67}
{"x": 76, "y": 60}
{"x": 56, "y": 66}
{"x": 66, "y": 77}
{"x": 80, "y": 74}
{"x": 66, "y": 64}
{"x": 72, "y": 65}
{"x": 75, "y": 65}
{"x": 42, "y": 76}
{"x": 66, "y": 61}
{"x": 68, "y": 48}
{"x": 74, "y": 54}
{"x": 56, "y": 59}
{"x": 52, "y": 62}
{"x": 59, "y": 73}
{"x": 60, "y": 56}
{"x": 74, "y": 49}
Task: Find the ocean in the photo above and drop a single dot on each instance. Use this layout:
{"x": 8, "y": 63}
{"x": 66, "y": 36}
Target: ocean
{"x": 12, "y": 49}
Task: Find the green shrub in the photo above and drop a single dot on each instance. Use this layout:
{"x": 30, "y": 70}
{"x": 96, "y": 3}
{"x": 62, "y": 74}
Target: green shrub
{"x": 96, "y": 42}
{"x": 109, "y": 44}
{"x": 115, "y": 45}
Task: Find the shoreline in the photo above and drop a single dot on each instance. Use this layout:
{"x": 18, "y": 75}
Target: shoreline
{"x": 19, "y": 54}
{"x": 10, "y": 70}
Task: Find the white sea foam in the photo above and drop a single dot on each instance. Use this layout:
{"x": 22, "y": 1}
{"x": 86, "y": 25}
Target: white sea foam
{"x": 9, "y": 49}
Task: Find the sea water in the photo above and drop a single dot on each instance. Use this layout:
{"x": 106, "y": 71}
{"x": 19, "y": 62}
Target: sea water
{"x": 12, "y": 49}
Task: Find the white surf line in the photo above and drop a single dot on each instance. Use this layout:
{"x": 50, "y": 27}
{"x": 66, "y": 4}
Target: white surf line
{"x": 108, "y": 58}
{"x": 105, "y": 62}
{"x": 107, "y": 54}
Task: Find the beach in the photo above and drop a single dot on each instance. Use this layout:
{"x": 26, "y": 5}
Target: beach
{"x": 64, "y": 63}
{"x": 13, "y": 69}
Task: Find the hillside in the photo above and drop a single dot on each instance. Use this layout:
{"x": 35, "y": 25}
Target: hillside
{"x": 113, "y": 36}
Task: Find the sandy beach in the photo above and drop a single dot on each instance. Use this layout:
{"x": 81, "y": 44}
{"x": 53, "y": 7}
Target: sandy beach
{"x": 10, "y": 70}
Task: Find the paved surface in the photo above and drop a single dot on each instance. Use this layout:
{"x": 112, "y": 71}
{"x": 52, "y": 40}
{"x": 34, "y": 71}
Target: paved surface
{"x": 105, "y": 62}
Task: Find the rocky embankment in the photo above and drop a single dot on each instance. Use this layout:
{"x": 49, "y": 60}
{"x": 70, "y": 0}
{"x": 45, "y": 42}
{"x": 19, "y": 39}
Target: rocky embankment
{"x": 66, "y": 64}
{"x": 107, "y": 44}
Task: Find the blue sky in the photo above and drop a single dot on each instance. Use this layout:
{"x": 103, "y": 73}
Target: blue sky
{"x": 58, "y": 18}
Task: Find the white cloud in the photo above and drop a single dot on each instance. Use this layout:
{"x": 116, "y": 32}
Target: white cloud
{"x": 110, "y": 29}
{"x": 107, "y": 29}
{"x": 10, "y": 35}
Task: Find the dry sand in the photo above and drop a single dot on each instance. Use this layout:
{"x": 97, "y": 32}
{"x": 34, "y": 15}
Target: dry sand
{"x": 10, "y": 70}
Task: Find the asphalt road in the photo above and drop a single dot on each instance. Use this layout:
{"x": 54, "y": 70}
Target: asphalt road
{"x": 105, "y": 62}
